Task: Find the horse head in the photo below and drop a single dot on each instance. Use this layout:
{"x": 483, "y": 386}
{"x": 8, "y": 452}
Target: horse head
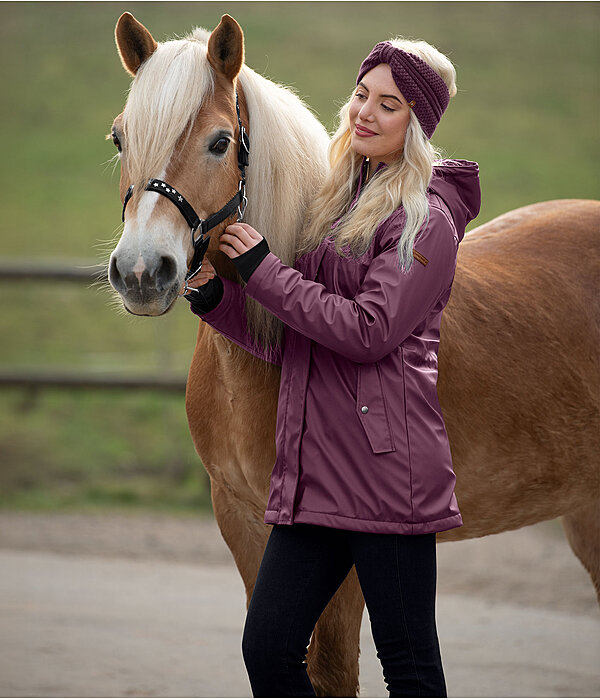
{"x": 180, "y": 126}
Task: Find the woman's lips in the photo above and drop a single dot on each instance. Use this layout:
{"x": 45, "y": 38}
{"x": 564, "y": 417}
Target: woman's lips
{"x": 363, "y": 131}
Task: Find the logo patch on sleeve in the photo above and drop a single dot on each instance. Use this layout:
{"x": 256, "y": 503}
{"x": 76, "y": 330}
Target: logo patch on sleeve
{"x": 420, "y": 257}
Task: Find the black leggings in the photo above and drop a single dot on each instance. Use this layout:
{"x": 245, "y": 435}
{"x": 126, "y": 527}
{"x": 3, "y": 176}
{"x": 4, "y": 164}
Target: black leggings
{"x": 302, "y": 568}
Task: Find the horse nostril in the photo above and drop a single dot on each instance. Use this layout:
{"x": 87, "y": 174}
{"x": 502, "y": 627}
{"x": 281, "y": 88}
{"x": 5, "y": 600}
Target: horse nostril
{"x": 115, "y": 277}
{"x": 166, "y": 272}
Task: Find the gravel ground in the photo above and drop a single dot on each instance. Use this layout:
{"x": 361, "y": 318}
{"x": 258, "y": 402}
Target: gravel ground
{"x": 119, "y": 605}
{"x": 533, "y": 566}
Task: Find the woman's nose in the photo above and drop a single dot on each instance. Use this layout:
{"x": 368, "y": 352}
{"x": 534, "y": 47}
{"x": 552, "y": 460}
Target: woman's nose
{"x": 366, "y": 111}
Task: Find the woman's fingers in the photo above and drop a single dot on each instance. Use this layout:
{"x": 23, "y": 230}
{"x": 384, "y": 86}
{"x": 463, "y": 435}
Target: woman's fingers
{"x": 252, "y": 232}
{"x": 244, "y": 231}
{"x": 206, "y": 273}
{"x": 200, "y": 279}
{"x": 231, "y": 245}
{"x": 207, "y": 266}
{"x": 238, "y": 238}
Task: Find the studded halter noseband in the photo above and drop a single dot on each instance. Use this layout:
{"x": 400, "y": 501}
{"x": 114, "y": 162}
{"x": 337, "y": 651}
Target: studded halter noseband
{"x": 237, "y": 202}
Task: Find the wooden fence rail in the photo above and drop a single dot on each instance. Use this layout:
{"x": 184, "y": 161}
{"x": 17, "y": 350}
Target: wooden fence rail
{"x": 57, "y": 379}
{"x": 44, "y": 378}
{"x": 56, "y": 271}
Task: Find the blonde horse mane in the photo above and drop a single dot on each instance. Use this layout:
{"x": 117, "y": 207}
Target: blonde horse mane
{"x": 288, "y": 145}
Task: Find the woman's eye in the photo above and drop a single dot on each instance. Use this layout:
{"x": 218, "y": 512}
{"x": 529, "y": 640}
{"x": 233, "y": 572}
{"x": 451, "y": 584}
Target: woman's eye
{"x": 361, "y": 96}
{"x": 220, "y": 146}
{"x": 116, "y": 141}
{"x": 388, "y": 109}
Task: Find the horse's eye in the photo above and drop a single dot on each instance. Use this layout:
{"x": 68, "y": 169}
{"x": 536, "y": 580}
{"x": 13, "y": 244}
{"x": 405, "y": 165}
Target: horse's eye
{"x": 220, "y": 146}
{"x": 116, "y": 141}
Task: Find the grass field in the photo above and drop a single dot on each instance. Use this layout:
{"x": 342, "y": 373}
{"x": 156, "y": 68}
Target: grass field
{"x": 527, "y": 111}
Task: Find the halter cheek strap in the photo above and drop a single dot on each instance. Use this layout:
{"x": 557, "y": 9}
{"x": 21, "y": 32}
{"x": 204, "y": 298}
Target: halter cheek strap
{"x": 238, "y": 202}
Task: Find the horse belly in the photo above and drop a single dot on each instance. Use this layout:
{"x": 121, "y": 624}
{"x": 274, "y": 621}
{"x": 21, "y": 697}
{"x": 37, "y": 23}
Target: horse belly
{"x": 518, "y": 368}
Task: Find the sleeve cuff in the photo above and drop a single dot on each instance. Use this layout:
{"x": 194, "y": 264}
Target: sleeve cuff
{"x": 266, "y": 268}
{"x": 247, "y": 262}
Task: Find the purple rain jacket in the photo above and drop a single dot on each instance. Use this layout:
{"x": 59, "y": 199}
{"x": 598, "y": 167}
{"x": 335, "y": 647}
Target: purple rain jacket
{"x": 360, "y": 438}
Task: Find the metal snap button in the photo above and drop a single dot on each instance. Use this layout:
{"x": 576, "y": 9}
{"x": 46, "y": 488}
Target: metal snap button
{"x": 365, "y": 409}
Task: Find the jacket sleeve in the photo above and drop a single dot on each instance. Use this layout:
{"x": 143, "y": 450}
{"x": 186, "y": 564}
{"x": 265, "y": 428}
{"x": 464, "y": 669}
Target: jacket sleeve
{"x": 389, "y": 305}
{"x": 229, "y": 318}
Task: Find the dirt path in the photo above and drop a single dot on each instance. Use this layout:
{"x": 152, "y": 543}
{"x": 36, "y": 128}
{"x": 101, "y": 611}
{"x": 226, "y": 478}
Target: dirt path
{"x": 151, "y": 606}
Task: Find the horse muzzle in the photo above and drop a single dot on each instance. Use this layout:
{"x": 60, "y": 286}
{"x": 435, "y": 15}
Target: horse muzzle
{"x": 147, "y": 287}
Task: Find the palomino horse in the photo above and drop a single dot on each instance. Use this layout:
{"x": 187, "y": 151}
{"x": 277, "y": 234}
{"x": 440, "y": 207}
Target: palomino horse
{"x": 518, "y": 366}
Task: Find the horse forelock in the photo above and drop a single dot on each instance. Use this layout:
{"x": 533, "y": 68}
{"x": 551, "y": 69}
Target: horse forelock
{"x": 166, "y": 95}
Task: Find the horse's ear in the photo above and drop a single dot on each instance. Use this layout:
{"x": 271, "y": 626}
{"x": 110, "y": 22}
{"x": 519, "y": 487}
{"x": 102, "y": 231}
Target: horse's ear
{"x": 134, "y": 42}
{"x": 226, "y": 47}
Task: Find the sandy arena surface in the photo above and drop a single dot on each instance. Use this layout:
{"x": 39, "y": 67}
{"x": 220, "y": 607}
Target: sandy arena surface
{"x": 153, "y": 606}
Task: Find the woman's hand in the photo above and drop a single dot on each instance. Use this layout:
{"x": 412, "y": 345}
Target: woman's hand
{"x": 205, "y": 275}
{"x": 238, "y": 239}
{"x": 234, "y": 242}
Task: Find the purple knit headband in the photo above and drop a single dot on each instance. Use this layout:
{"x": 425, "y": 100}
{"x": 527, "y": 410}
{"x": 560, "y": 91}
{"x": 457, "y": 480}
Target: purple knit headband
{"x": 424, "y": 89}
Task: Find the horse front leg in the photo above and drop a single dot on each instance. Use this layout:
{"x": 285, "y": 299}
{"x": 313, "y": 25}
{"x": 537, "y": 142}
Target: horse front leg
{"x": 333, "y": 651}
{"x": 243, "y": 530}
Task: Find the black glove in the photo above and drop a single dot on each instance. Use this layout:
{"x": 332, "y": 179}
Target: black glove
{"x": 206, "y": 298}
{"x": 247, "y": 262}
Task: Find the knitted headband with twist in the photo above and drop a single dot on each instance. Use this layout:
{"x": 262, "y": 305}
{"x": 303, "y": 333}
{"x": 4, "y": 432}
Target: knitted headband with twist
{"x": 424, "y": 89}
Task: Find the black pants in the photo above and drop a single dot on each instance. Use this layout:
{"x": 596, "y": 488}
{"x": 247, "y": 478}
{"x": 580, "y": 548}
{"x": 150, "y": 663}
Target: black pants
{"x": 302, "y": 568}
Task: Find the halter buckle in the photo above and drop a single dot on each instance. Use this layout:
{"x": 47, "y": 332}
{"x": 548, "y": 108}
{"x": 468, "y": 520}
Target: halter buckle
{"x": 244, "y": 148}
{"x": 243, "y": 200}
{"x": 186, "y": 287}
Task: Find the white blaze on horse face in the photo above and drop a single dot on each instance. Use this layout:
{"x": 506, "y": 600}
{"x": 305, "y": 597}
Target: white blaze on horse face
{"x": 148, "y": 234}
{"x": 140, "y": 265}
{"x": 155, "y": 241}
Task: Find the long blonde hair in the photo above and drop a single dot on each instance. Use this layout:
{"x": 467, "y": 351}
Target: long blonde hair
{"x": 402, "y": 183}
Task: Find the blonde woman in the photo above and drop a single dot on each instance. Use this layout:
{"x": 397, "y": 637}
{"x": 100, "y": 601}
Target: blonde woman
{"x": 364, "y": 472}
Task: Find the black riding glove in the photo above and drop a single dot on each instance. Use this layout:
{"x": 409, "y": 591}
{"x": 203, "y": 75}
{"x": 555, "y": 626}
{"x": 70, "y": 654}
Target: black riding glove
{"x": 206, "y": 298}
{"x": 247, "y": 262}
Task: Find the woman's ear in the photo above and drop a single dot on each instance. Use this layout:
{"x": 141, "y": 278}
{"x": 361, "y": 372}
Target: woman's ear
{"x": 226, "y": 48}
{"x": 134, "y": 42}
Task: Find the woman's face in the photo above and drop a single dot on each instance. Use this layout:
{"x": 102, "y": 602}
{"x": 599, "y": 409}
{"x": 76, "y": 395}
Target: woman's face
{"x": 379, "y": 116}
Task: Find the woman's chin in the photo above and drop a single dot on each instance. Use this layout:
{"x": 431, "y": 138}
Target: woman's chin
{"x": 360, "y": 147}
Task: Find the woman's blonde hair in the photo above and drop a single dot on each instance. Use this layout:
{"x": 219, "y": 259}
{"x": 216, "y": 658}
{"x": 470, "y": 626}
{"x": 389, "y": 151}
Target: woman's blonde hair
{"x": 402, "y": 183}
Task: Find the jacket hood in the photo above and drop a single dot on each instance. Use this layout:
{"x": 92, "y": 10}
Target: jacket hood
{"x": 457, "y": 183}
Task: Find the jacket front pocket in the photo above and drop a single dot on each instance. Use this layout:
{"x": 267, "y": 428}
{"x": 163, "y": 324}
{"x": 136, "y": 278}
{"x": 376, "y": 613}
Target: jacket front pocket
{"x": 372, "y": 410}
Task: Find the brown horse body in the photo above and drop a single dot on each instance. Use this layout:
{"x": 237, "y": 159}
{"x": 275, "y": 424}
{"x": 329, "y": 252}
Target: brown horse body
{"x": 518, "y": 363}
{"x": 518, "y": 386}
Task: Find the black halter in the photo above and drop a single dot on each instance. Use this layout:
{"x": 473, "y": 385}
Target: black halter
{"x": 237, "y": 202}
